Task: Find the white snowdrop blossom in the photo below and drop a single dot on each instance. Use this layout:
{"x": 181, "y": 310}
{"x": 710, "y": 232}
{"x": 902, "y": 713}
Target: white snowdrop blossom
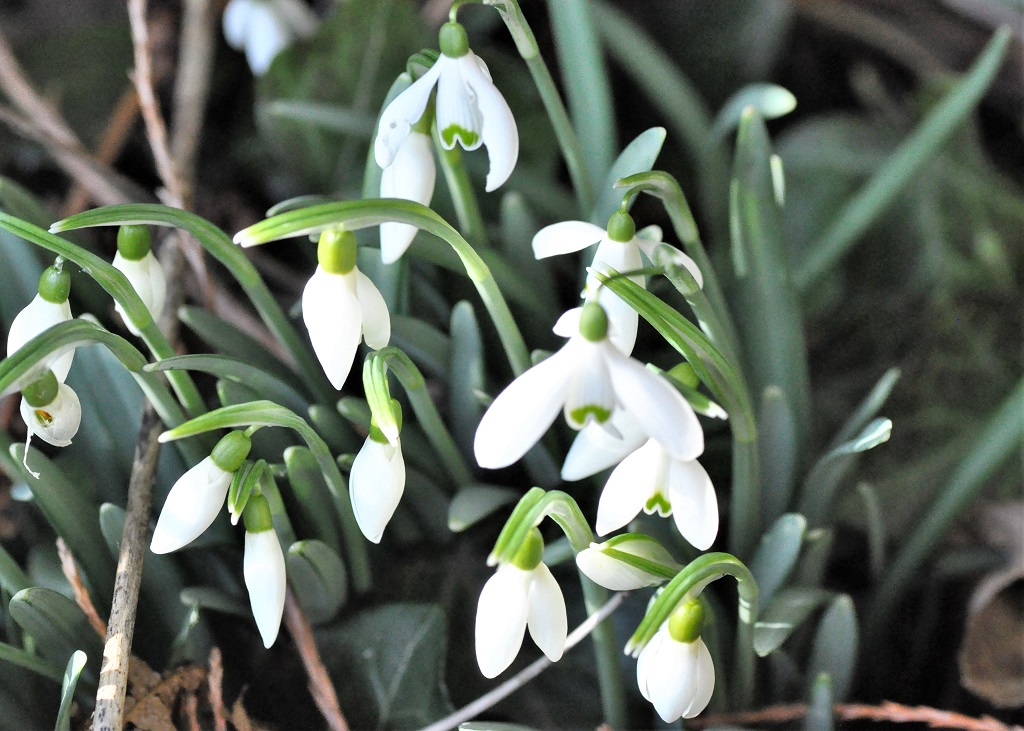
{"x": 598, "y": 447}
{"x": 589, "y": 379}
{"x": 512, "y": 600}
{"x": 410, "y": 176}
{"x": 376, "y": 484}
{"x": 264, "y": 28}
{"x": 652, "y": 480}
{"x": 264, "y": 570}
{"x": 607, "y": 564}
{"x": 678, "y": 678}
{"x": 469, "y": 110}
{"x": 55, "y": 422}
{"x": 48, "y": 308}
{"x": 341, "y": 307}
{"x": 146, "y": 276}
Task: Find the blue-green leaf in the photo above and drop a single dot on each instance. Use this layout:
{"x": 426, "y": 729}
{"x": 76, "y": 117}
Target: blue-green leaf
{"x": 638, "y": 157}
{"x": 777, "y": 554}
{"x": 781, "y": 617}
{"x": 475, "y": 502}
{"x": 58, "y": 627}
{"x": 834, "y": 651}
{"x": 67, "y": 690}
{"x": 319, "y": 579}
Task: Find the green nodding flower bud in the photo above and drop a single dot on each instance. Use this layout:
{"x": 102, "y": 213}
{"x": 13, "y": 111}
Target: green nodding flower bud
{"x": 133, "y": 242}
{"x": 231, "y": 451}
{"x": 452, "y": 40}
{"x": 685, "y": 374}
{"x": 530, "y": 552}
{"x": 593, "y": 322}
{"x": 55, "y": 284}
{"x": 621, "y": 227}
{"x": 42, "y": 391}
{"x": 687, "y": 621}
{"x": 336, "y": 251}
{"x": 257, "y": 516}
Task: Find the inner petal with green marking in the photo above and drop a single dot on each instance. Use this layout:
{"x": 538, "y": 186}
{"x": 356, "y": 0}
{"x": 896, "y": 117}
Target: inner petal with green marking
{"x": 658, "y": 503}
{"x": 466, "y": 137}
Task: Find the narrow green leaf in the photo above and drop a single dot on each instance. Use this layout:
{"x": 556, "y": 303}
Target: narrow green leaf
{"x": 834, "y": 651}
{"x": 639, "y": 156}
{"x": 12, "y": 577}
{"x": 332, "y": 117}
{"x": 58, "y": 627}
{"x": 466, "y": 369}
{"x": 337, "y": 432}
{"x": 67, "y": 690}
{"x": 777, "y": 554}
{"x": 770, "y": 100}
{"x": 215, "y": 599}
{"x": 473, "y": 503}
{"x": 811, "y": 569}
{"x": 20, "y": 658}
{"x": 869, "y": 407}
{"x": 318, "y": 578}
{"x": 423, "y": 342}
{"x": 312, "y": 496}
{"x": 783, "y": 615}
{"x": 819, "y": 711}
{"x": 875, "y": 524}
{"x": 518, "y": 226}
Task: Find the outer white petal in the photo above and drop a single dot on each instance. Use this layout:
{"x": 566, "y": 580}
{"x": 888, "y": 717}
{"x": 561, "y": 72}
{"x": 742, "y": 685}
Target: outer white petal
{"x": 565, "y": 238}
{"x": 672, "y": 677}
{"x": 647, "y": 660}
{"x": 694, "y": 504}
{"x": 521, "y": 413}
{"x": 628, "y": 489}
{"x": 333, "y": 318}
{"x": 376, "y": 484}
{"x": 57, "y": 422}
{"x": 705, "y": 682}
{"x": 595, "y": 449}
{"x": 404, "y": 111}
{"x": 411, "y": 176}
{"x": 501, "y": 619}
{"x": 546, "y": 618}
{"x": 236, "y": 21}
{"x": 661, "y": 410}
{"x": 568, "y": 323}
{"x": 664, "y": 254}
{"x": 264, "y": 571}
{"x": 191, "y": 506}
{"x": 147, "y": 279}
{"x": 611, "y": 573}
{"x": 374, "y": 312}
{"x": 266, "y": 36}
{"x": 623, "y": 319}
{"x": 500, "y": 134}
{"x": 38, "y": 316}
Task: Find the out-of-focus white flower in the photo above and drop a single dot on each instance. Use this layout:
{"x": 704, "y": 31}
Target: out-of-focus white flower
{"x": 627, "y": 562}
{"x": 341, "y": 306}
{"x": 678, "y": 678}
{"x": 48, "y": 308}
{"x": 147, "y": 277}
{"x": 264, "y": 28}
{"x": 57, "y": 421}
{"x": 410, "y": 176}
{"x": 589, "y": 379}
{"x": 376, "y": 484}
{"x": 264, "y": 571}
{"x": 470, "y": 110}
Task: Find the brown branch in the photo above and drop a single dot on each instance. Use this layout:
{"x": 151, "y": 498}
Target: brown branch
{"x": 192, "y": 85}
{"x": 216, "y": 685}
{"x": 320, "y": 686}
{"x": 82, "y": 598}
{"x": 886, "y": 712}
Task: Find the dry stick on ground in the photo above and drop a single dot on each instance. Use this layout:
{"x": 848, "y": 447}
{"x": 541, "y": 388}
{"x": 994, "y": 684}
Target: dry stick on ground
{"x": 320, "y": 686}
{"x": 215, "y": 681}
{"x": 70, "y": 570}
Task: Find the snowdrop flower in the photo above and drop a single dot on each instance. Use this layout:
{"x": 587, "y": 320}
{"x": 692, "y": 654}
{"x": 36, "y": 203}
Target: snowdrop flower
{"x": 134, "y": 258}
{"x": 48, "y": 308}
{"x": 627, "y": 562}
{"x": 589, "y": 379}
{"x": 376, "y": 483}
{"x": 650, "y": 479}
{"x": 521, "y": 594}
{"x": 264, "y": 28}
{"x": 410, "y": 176}
{"x": 263, "y": 568}
{"x": 51, "y": 410}
{"x": 674, "y": 670}
{"x": 470, "y": 109}
{"x": 197, "y": 497}
{"x": 341, "y": 306}
{"x": 618, "y": 250}
{"x": 598, "y": 447}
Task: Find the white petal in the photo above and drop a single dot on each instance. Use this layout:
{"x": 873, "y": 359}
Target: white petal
{"x": 501, "y": 619}
{"x": 646, "y": 662}
{"x": 411, "y": 176}
{"x": 622, "y": 319}
{"x": 591, "y": 389}
{"x": 37, "y": 317}
{"x": 565, "y": 237}
{"x": 376, "y": 484}
{"x": 694, "y": 504}
{"x": 610, "y": 572}
{"x": 56, "y": 423}
{"x": 457, "y": 111}
{"x": 264, "y": 571}
{"x": 595, "y": 448}
{"x": 331, "y": 312}
{"x": 374, "y": 312}
{"x": 147, "y": 279}
{"x": 705, "y": 683}
{"x": 266, "y": 36}
{"x": 547, "y": 619}
{"x": 404, "y": 111}
{"x": 666, "y": 254}
{"x": 191, "y": 506}
{"x": 499, "y": 133}
{"x": 628, "y": 489}
{"x": 521, "y": 413}
{"x": 661, "y": 410}
{"x": 235, "y": 22}
{"x": 568, "y": 323}
{"x": 671, "y": 680}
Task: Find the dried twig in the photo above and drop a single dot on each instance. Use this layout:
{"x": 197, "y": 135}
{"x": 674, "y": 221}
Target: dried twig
{"x": 215, "y": 680}
{"x": 320, "y": 686}
{"x": 191, "y": 711}
{"x": 191, "y": 87}
{"x": 82, "y": 598}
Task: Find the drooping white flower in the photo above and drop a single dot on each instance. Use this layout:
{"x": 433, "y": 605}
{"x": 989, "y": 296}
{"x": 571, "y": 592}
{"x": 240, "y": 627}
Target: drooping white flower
{"x": 264, "y": 28}
{"x": 678, "y": 678}
{"x": 342, "y": 308}
{"x": 512, "y": 600}
{"x": 376, "y": 484}
{"x": 146, "y": 276}
{"x": 264, "y": 570}
{"x": 608, "y": 564}
{"x": 470, "y": 110}
{"x": 588, "y": 379}
{"x": 410, "y": 176}
{"x": 597, "y": 448}
{"x": 48, "y": 308}
{"x": 55, "y": 422}
{"x": 650, "y": 479}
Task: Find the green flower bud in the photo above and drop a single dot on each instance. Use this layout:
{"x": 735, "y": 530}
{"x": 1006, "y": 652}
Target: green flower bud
{"x": 593, "y": 322}
{"x": 133, "y": 242}
{"x": 687, "y": 621}
{"x": 43, "y": 391}
{"x": 685, "y": 374}
{"x": 55, "y": 284}
{"x": 257, "y": 515}
{"x": 621, "y": 227}
{"x": 336, "y": 251}
{"x": 231, "y": 451}
{"x": 530, "y": 552}
{"x": 452, "y": 40}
